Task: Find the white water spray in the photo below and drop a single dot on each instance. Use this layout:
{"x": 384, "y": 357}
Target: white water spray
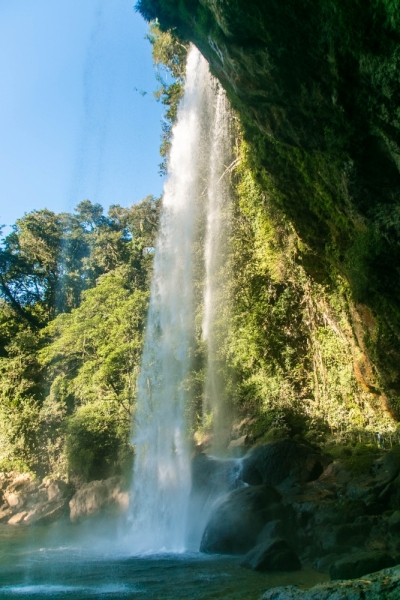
{"x": 161, "y": 480}
{"x": 215, "y": 248}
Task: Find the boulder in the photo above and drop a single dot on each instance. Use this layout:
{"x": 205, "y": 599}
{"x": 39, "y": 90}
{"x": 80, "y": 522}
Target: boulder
{"x": 17, "y": 518}
{"x": 211, "y": 478}
{"x": 238, "y": 519}
{"x": 274, "y": 555}
{"x": 324, "y": 563}
{"x": 275, "y": 462}
{"x": 44, "y": 513}
{"x": 18, "y": 489}
{"x": 394, "y": 523}
{"x": 214, "y": 476}
{"x": 339, "y": 512}
{"x": 384, "y": 585}
{"x": 345, "y": 536}
{"x": 56, "y": 489}
{"x": 271, "y": 531}
{"x": 238, "y": 447}
{"x": 359, "y": 564}
{"x": 96, "y": 495}
{"x": 5, "y": 513}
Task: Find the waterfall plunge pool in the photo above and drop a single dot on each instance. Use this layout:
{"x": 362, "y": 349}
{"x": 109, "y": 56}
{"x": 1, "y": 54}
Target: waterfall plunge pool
{"x": 90, "y": 561}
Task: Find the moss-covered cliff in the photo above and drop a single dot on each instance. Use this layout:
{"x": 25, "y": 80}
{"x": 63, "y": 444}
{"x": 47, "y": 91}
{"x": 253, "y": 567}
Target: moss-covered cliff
{"x": 317, "y": 90}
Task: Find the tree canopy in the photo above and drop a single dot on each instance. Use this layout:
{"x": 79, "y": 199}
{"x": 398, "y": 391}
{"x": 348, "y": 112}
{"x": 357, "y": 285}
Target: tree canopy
{"x": 73, "y": 300}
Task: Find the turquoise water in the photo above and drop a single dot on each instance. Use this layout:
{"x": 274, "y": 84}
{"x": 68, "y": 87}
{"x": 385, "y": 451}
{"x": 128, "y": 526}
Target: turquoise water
{"x": 92, "y": 561}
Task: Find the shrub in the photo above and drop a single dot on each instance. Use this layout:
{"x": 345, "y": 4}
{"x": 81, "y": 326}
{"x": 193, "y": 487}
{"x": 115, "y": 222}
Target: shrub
{"x": 96, "y": 441}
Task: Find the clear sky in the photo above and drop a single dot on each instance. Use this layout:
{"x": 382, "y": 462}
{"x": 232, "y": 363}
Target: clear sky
{"x": 74, "y": 120}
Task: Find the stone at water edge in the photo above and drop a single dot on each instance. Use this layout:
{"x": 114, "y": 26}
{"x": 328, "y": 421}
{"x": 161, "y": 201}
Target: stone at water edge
{"x": 238, "y": 443}
{"x": 271, "y": 531}
{"x": 323, "y": 564}
{"x": 274, "y": 555}
{"x": 5, "y": 513}
{"x": 394, "y": 523}
{"x": 96, "y": 495}
{"x": 339, "y": 538}
{"x": 18, "y": 490}
{"x": 275, "y": 462}
{"x": 42, "y": 513}
{"x": 238, "y": 519}
{"x": 359, "y": 564}
{"x": 27, "y": 502}
{"x": 214, "y": 476}
{"x": 383, "y": 585}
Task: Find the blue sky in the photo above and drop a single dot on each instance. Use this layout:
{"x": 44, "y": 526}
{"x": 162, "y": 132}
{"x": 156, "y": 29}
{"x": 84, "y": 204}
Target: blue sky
{"x": 73, "y": 123}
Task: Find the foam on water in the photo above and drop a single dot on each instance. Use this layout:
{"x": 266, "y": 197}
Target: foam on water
{"x": 49, "y": 590}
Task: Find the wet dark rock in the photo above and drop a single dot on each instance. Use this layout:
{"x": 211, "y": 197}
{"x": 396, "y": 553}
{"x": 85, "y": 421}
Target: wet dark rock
{"x": 275, "y": 555}
{"x": 357, "y": 565}
{"x": 238, "y": 447}
{"x": 372, "y": 489}
{"x": 238, "y": 518}
{"x": 386, "y": 468}
{"x": 324, "y": 563}
{"x": 211, "y": 478}
{"x": 215, "y": 476}
{"x": 339, "y": 537}
{"x": 384, "y": 585}
{"x": 394, "y": 523}
{"x": 394, "y": 498}
{"x": 273, "y": 463}
{"x": 272, "y": 530}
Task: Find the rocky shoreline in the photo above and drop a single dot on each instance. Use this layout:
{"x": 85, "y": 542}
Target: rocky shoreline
{"x": 300, "y": 506}
{"x": 384, "y": 585}
{"x": 293, "y": 505}
{"x": 282, "y": 505}
{"x": 27, "y": 502}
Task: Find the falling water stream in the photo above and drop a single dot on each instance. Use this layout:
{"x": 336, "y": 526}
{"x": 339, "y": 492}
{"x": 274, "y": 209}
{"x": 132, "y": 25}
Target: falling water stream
{"x": 195, "y": 191}
{"x": 161, "y": 480}
{"x": 216, "y": 301}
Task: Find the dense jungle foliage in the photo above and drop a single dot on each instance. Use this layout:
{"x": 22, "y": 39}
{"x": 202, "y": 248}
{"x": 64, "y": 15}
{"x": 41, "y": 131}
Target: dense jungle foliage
{"x": 73, "y": 300}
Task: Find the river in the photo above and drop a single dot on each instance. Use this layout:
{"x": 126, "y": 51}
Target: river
{"x": 93, "y": 561}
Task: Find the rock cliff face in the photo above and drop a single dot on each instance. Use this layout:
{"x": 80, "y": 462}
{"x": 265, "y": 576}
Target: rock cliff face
{"x": 316, "y": 86}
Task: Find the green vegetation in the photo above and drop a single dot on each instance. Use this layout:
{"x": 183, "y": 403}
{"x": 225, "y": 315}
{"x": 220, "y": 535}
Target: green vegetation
{"x": 169, "y": 58}
{"x": 357, "y": 459}
{"x": 314, "y": 343}
{"x": 74, "y": 293}
{"x": 291, "y": 350}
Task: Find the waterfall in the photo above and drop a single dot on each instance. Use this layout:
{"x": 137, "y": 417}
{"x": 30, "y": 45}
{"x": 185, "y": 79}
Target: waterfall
{"x": 161, "y": 478}
{"x": 216, "y": 301}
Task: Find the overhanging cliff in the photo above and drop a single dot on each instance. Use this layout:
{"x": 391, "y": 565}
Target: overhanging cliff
{"x": 316, "y": 86}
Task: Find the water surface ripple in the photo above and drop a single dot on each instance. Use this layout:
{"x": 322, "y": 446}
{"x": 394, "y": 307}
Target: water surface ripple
{"x": 65, "y": 561}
